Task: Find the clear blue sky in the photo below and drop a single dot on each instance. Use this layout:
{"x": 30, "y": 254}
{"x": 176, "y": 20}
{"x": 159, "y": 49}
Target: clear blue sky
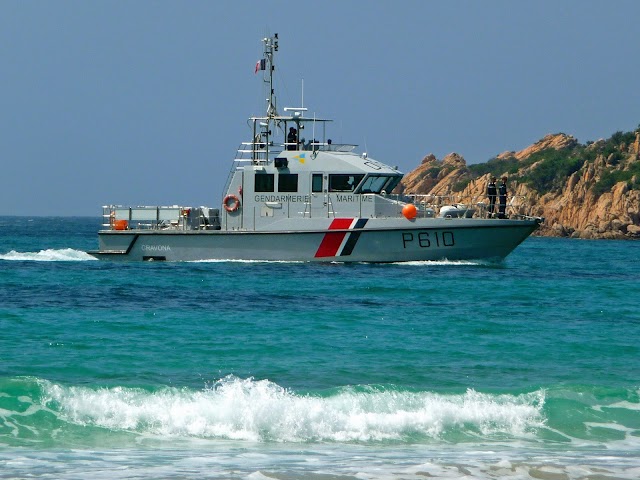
{"x": 145, "y": 102}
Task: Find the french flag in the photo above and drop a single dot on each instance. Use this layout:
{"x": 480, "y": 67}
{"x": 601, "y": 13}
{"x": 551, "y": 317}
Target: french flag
{"x": 261, "y": 65}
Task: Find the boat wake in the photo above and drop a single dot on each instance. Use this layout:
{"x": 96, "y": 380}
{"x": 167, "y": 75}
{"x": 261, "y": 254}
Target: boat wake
{"x": 417, "y": 263}
{"x": 437, "y": 263}
{"x": 49, "y": 255}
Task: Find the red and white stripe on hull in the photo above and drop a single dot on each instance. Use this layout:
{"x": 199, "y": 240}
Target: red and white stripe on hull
{"x": 336, "y": 244}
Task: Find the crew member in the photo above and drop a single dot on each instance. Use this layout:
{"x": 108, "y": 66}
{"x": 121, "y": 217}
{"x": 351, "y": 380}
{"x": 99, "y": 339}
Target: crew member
{"x": 292, "y": 139}
{"x": 502, "y": 193}
{"x": 492, "y": 193}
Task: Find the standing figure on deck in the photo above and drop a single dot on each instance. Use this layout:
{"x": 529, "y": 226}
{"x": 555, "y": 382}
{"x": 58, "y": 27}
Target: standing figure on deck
{"x": 292, "y": 139}
{"x": 492, "y": 193}
{"x": 502, "y": 194}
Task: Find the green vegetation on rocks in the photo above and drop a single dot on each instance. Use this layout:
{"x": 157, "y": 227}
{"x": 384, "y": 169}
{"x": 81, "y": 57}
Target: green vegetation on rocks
{"x": 547, "y": 170}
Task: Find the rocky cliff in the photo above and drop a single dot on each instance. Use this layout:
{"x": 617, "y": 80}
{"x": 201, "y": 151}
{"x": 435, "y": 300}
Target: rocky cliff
{"x": 582, "y": 191}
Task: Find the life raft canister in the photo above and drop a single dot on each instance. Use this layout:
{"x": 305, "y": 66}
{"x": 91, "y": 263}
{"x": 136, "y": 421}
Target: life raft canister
{"x": 231, "y": 203}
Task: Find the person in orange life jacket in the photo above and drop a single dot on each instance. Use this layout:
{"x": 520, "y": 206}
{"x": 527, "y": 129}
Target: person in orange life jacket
{"x": 502, "y": 193}
{"x": 491, "y": 193}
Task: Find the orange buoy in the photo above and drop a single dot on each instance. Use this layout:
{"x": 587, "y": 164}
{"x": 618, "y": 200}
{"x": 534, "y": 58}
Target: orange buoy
{"x": 409, "y": 211}
{"x": 120, "y": 225}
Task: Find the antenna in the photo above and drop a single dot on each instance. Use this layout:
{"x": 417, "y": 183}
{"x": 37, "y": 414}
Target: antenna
{"x": 302, "y": 100}
{"x": 270, "y": 47}
{"x": 261, "y": 140}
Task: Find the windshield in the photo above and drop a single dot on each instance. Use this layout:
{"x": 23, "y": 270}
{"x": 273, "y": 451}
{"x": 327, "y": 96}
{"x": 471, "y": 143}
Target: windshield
{"x": 378, "y": 183}
{"x": 344, "y": 183}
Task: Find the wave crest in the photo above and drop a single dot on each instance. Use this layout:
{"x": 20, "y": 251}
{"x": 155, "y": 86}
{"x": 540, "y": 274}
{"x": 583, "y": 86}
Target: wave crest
{"x": 260, "y": 410}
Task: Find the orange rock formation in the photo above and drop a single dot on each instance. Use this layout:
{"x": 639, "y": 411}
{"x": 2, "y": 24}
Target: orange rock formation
{"x": 575, "y": 210}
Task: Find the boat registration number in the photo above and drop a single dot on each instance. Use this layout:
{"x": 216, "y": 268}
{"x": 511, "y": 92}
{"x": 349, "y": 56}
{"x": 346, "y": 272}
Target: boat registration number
{"x": 429, "y": 239}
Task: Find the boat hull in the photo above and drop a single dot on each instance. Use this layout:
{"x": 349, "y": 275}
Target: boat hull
{"x": 452, "y": 239}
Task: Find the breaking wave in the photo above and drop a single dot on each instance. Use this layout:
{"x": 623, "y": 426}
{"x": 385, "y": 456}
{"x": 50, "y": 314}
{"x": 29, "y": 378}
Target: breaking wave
{"x": 235, "y": 409}
{"x": 262, "y": 411}
{"x": 479, "y": 434}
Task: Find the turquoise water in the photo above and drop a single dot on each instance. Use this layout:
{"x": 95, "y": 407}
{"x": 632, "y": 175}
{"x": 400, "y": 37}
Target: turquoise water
{"x": 524, "y": 369}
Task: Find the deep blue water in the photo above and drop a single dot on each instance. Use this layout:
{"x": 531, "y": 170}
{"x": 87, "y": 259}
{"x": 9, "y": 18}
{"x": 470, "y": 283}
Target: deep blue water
{"x": 524, "y": 369}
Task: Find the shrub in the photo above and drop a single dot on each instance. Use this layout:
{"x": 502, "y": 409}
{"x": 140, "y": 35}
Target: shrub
{"x": 552, "y": 170}
{"x": 608, "y": 180}
{"x": 433, "y": 172}
{"x": 496, "y": 167}
{"x": 461, "y": 184}
{"x": 618, "y": 138}
{"x": 610, "y": 177}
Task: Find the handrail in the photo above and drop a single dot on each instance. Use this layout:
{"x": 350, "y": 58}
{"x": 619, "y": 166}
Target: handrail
{"x": 174, "y": 217}
{"x": 177, "y": 217}
{"x": 516, "y": 205}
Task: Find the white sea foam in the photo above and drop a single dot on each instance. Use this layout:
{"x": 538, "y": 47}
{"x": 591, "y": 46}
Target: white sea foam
{"x": 252, "y": 410}
{"x": 243, "y": 428}
{"x": 423, "y": 263}
{"x": 227, "y": 460}
{"x": 49, "y": 255}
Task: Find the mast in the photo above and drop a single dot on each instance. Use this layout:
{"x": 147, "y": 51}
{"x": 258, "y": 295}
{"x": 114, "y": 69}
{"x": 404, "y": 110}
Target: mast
{"x": 262, "y": 140}
{"x": 270, "y": 47}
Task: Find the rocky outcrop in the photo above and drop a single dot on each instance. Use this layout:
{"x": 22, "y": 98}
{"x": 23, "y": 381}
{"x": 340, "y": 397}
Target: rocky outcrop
{"x": 425, "y": 177}
{"x": 634, "y": 148}
{"x": 579, "y": 209}
{"x": 578, "y": 212}
{"x": 558, "y": 141}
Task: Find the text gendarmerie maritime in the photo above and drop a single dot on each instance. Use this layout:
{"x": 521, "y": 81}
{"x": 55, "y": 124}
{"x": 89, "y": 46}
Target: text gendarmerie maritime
{"x": 305, "y": 198}
{"x": 282, "y": 198}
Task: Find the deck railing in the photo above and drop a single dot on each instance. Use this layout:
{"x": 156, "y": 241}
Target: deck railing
{"x": 476, "y": 206}
{"x": 116, "y": 217}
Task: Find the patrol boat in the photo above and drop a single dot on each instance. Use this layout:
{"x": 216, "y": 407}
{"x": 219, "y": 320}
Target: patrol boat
{"x": 287, "y": 199}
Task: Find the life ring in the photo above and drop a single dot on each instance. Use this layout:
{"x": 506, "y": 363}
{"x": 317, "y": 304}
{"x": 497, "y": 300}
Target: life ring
{"x": 231, "y": 203}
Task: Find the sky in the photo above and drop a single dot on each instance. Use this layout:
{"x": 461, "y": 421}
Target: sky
{"x": 145, "y": 102}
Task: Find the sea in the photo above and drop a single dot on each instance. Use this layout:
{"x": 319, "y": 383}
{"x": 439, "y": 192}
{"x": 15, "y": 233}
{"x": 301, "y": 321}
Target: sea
{"x": 524, "y": 369}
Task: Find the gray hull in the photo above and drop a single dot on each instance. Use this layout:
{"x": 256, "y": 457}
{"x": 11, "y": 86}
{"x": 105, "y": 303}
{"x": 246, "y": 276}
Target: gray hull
{"x": 431, "y": 239}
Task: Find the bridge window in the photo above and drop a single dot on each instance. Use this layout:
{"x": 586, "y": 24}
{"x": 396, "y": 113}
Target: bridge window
{"x": 344, "y": 183}
{"x": 264, "y": 182}
{"x": 288, "y": 182}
